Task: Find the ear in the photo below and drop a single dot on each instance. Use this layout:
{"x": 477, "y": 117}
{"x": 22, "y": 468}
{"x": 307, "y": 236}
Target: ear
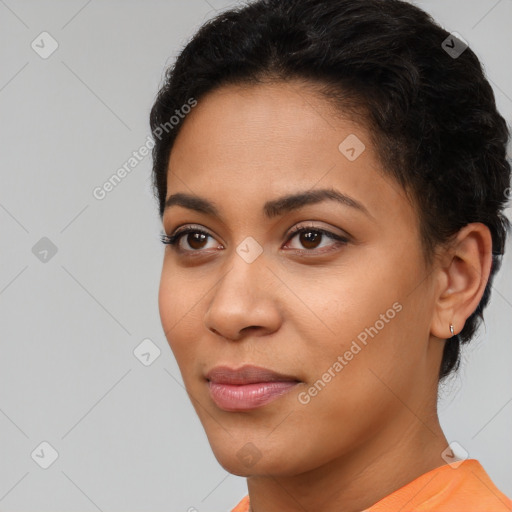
{"x": 462, "y": 278}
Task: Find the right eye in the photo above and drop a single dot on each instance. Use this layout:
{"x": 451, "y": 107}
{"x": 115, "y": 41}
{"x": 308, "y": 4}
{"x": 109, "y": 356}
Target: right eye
{"x": 195, "y": 238}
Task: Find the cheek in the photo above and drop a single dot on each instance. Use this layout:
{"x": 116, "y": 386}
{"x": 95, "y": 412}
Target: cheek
{"x": 167, "y": 302}
{"x": 348, "y": 363}
{"x": 365, "y": 313}
{"x": 354, "y": 336}
{"x": 341, "y": 305}
{"x": 176, "y": 300}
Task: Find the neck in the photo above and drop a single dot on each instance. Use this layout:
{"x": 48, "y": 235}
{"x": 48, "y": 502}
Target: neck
{"x": 357, "y": 480}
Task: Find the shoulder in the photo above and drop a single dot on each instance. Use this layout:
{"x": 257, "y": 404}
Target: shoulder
{"x": 462, "y": 485}
{"x": 243, "y": 505}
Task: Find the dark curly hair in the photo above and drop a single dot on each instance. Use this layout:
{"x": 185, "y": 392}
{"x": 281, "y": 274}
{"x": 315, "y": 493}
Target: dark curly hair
{"x": 432, "y": 115}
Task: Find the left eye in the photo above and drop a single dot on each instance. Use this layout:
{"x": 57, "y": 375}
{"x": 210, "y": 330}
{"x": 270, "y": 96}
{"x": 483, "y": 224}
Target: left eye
{"x": 310, "y": 238}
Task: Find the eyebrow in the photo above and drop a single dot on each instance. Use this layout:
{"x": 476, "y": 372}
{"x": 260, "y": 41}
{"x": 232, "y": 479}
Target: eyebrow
{"x": 273, "y": 208}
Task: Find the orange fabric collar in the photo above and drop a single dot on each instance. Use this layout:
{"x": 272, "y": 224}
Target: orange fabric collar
{"x": 456, "y": 487}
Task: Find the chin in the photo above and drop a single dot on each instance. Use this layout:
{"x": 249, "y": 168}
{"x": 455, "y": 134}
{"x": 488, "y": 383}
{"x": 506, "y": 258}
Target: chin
{"x": 248, "y": 460}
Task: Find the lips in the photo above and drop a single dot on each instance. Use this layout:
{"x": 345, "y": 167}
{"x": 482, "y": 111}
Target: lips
{"x": 248, "y": 387}
{"x": 247, "y": 374}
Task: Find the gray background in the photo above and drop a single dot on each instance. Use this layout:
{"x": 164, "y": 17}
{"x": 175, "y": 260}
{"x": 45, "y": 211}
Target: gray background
{"x": 126, "y": 435}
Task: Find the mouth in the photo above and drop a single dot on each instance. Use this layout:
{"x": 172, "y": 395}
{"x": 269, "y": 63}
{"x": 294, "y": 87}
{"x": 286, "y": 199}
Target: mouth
{"x": 248, "y": 387}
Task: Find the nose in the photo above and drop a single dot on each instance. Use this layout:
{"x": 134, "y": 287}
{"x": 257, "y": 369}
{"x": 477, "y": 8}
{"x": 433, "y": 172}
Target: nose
{"x": 244, "y": 301}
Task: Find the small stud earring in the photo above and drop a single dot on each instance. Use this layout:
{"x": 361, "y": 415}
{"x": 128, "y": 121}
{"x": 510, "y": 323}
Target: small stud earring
{"x": 451, "y": 329}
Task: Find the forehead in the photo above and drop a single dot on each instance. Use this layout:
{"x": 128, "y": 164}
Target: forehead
{"x": 277, "y": 118}
{"x": 254, "y": 143}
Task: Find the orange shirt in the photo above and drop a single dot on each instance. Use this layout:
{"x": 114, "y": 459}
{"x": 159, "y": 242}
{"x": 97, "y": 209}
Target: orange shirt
{"x": 465, "y": 487}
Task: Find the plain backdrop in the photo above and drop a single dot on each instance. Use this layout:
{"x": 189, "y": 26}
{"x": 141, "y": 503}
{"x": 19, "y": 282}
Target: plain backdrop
{"x": 79, "y": 275}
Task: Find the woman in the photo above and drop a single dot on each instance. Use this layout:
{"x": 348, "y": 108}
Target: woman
{"x": 331, "y": 178}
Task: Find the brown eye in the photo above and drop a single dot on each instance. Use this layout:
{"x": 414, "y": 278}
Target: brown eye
{"x": 189, "y": 240}
{"x": 196, "y": 240}
{"x": 310, "y": 239}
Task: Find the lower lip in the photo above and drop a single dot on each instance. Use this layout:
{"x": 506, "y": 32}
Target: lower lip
{"x": 249, "y": 396}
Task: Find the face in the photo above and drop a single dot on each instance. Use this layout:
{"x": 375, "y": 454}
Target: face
{"x": 341, "y": 307}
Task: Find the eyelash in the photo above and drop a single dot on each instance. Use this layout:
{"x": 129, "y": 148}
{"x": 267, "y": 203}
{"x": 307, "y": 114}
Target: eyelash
{"x": 174, "y": 239}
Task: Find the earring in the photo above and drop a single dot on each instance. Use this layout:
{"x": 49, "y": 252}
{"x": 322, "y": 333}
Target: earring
{"x": 451, "y": 329}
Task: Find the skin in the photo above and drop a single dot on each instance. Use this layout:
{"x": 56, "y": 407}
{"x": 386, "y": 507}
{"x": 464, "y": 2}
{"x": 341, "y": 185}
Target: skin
{"x": 374, "y": 427}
